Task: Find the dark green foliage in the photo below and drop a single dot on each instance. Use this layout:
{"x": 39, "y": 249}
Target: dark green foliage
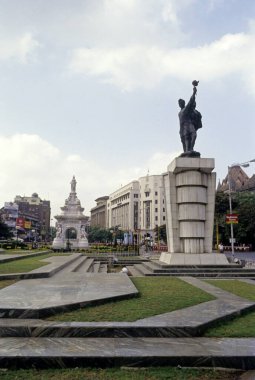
{"x": 100, "y": 235}
{"x": 5, "y": 231}
{"x": 160, "y": 233}
{"x": 245, "y": 230}
{"x": 243, "y": 204}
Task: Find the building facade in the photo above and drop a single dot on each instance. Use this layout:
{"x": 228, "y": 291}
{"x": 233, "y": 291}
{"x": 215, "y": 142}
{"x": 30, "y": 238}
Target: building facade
{"x": 35, "y": 213}
{"x": 123, "y": 207}
{"x": 152, "y": 204}
{"x": 238, "y": 181}
{"x": 137, "y": 208}
{"x": 99, "y": 213}
{"x": 9, "y": 215}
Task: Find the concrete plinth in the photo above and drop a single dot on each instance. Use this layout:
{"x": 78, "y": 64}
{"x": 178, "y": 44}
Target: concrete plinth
{"x": 189, "y": 186}
{"x": 192, "y": 259}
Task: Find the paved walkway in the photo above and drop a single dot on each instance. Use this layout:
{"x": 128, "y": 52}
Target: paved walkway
{"x": 62, "y": 352}
{"x": 166, "y": 339}
{"x": 6, "y": 257}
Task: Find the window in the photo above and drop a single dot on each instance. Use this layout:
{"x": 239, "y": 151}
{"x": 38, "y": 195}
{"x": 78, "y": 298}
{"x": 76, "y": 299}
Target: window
{"x": 156, "y": 210}
{"x": 164, "y": 209}
{"x": 156, "y": 218}
{"x": 135, "y": 195}
{"x": 164, "y": 218}
{"x": 156, "y": 193}
{"x": 156, "y": 201}
{"x": 163, "y": 201}
{"x": 147, "y": 194}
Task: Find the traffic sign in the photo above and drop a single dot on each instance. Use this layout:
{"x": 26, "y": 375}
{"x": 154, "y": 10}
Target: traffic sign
{"x": 231, "y": 219}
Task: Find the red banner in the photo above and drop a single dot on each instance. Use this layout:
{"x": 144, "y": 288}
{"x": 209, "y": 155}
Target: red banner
{"x": 232, "y": 218}
{"x": 20, "y": 222}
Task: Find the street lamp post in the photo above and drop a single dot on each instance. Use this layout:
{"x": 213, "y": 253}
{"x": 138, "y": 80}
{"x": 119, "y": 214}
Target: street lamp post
{"x": 244, "y": 165}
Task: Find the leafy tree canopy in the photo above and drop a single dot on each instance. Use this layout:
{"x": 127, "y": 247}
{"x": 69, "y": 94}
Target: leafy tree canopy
{"x": 243, "y": 204}
{"x": 5, "y": 231}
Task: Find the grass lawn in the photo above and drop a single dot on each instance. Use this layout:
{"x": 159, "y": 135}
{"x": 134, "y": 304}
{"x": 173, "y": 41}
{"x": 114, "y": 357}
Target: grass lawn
{"x": 5, "y": 283}
{"x": 25, "y": 265}
{"x": 243, "y": 326}
{"x": 158, "y": 373}
{"x": 157, "y": 295}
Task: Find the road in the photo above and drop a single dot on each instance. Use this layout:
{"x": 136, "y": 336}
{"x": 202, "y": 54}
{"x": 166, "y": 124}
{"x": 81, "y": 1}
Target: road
{"x": 247, "y": 256}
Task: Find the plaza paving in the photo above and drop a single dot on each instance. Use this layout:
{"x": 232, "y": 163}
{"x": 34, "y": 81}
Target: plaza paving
{"x": 166, "y": 339}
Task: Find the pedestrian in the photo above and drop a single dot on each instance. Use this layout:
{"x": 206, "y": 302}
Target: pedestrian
{"x": 221, "y": 248}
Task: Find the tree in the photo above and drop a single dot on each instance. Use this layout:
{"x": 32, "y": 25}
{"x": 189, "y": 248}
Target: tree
{"x": 245, "y": 230}
{"x": 160, "y": 233}
{"x": 5, "y": 231}
{"x": 243, "y": 204}
{"x": 99, "y": 235}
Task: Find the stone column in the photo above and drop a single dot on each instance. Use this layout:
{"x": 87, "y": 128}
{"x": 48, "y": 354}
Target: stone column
{"x": 190, "y": 198}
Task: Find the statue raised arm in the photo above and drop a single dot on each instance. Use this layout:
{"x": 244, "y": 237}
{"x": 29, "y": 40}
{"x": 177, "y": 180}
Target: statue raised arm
{"x": 190, "y": 121}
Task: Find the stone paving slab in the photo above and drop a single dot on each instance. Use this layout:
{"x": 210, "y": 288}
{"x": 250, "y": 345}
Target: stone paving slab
{"x": 56, "y": 263}
{"x": 191, "y": 321}
{"x": 41, "y": 297}
{"x": 61, "y": 352}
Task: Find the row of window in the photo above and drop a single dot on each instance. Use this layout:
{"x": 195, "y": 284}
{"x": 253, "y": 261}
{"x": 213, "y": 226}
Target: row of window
{"x": 156, "y": 219}
{"x": 120, "y": 199}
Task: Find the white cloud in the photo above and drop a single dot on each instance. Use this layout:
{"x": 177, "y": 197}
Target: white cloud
{"x": 146, "y": 66}
{"x": 31, "y": 164}
{"x": 20, "y": 48}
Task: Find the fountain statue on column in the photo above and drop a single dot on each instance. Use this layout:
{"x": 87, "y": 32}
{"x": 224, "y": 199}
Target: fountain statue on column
{"x": 71, "y": 233}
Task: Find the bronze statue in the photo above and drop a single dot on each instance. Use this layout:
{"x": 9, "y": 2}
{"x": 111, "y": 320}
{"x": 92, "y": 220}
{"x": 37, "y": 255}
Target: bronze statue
{"x": 190, "y": 122}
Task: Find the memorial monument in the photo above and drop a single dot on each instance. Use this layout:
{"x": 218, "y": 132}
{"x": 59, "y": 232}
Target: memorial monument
{"x": 189, "y": 186}
{"x": 70, "y": 226}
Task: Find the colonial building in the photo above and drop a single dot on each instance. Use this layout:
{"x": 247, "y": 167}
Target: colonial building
{"x": 238, "y": 180}
{"x": 99, "y": 213}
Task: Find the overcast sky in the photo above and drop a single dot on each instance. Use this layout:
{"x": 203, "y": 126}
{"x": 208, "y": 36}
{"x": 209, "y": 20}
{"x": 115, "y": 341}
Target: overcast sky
{"x": 90, "y": 88}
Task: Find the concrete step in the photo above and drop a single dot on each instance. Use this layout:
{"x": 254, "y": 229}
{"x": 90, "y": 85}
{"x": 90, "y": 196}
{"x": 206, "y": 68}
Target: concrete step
{"x": 95, "y": 267}
{"x": 152, "y": 269}
{"x": 161, "y": 265}
{"x": 85, "y": 266}
{"x": 134, "y": 272}
{"x": 103, "y": 268}
{"x": 143, "y": 270}
{"x": 204, "y": 275}
{"x": 72, "y": 266}
{"x": 82, "y": 352}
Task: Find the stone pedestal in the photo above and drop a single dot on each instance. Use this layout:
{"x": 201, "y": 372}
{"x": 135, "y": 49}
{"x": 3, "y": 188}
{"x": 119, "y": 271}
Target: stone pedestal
{"x": 189, "y": 186}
